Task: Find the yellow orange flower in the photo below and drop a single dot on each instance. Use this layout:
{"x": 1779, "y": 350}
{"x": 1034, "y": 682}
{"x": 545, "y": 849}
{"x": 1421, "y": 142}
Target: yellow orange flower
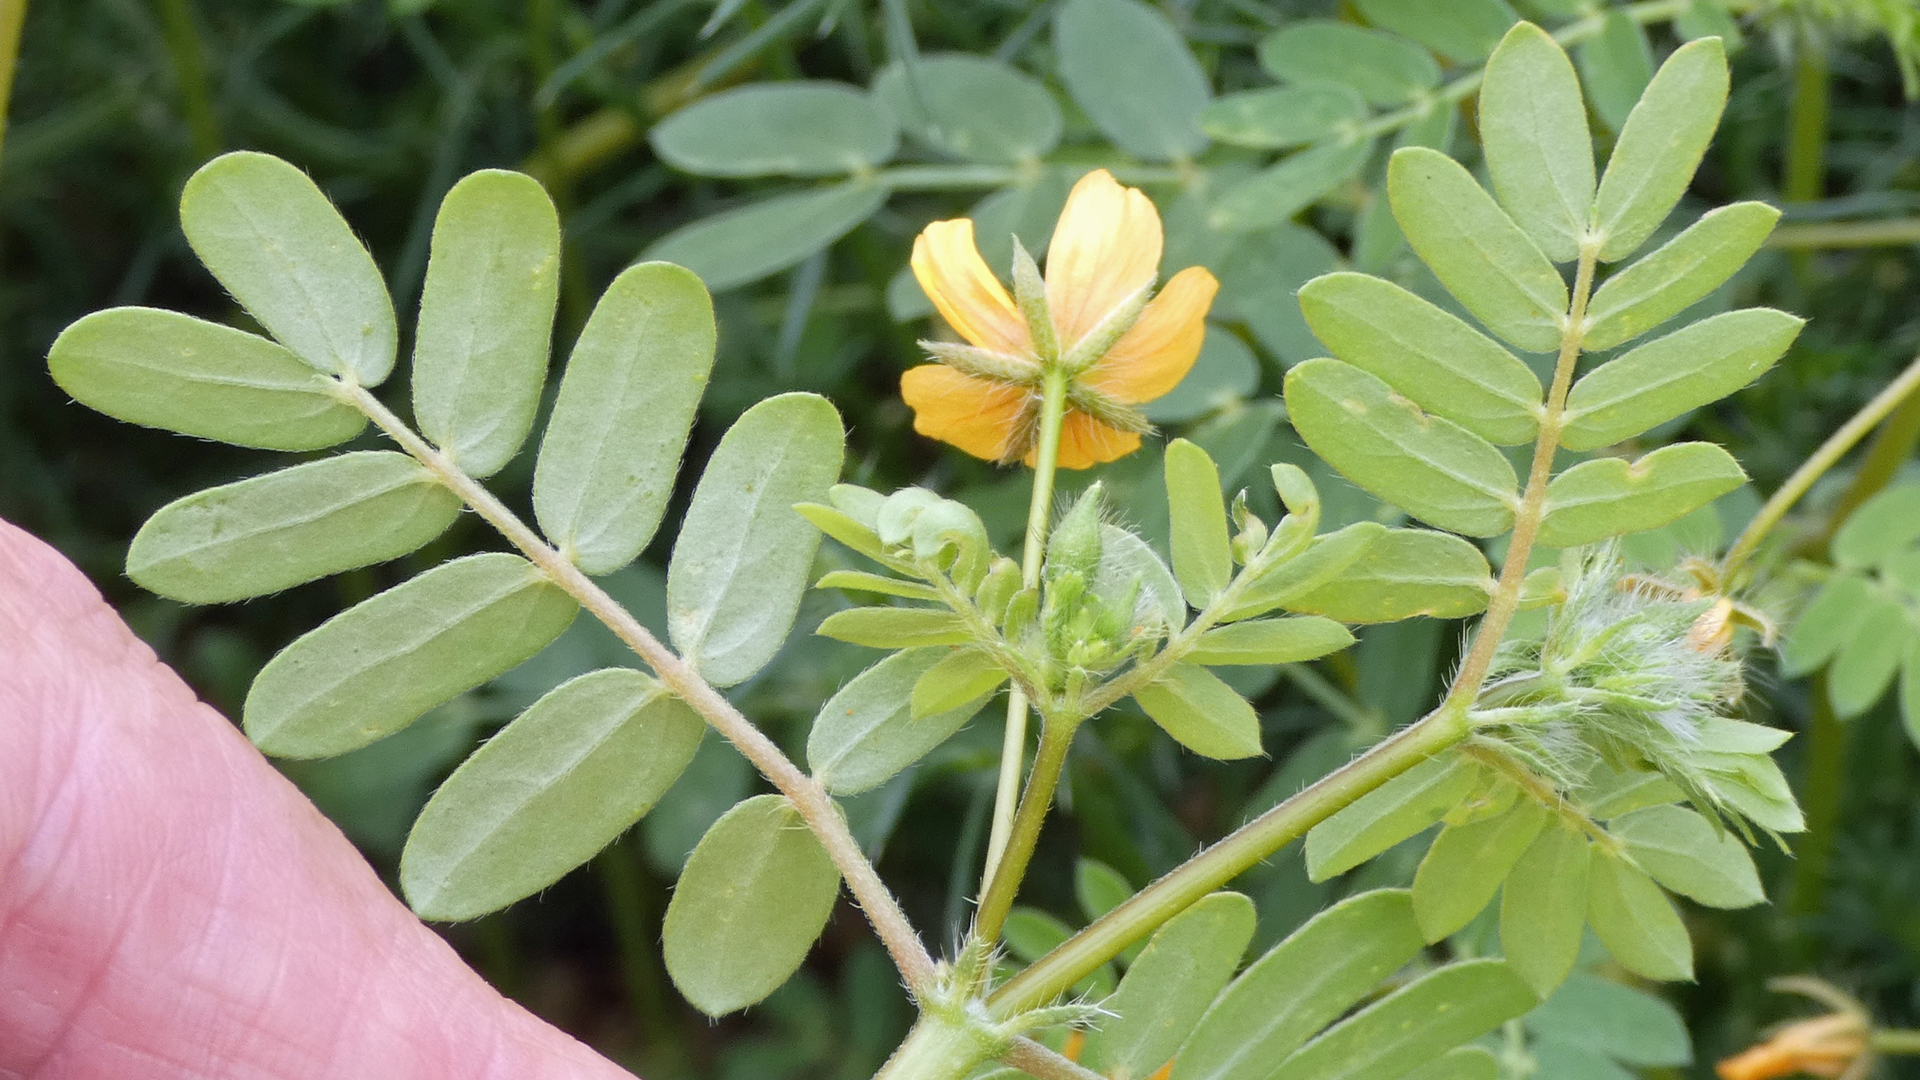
{"x": 1823, "y": 1046}
{"x": 984, "y": 397}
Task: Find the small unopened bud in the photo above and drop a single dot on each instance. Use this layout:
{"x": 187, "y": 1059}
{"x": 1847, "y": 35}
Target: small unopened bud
{"x": 1713, "y": 630}
{"x": 997, "y": 589}
{"x": 951, "y": 536}
{"x": 1251, "y": 533}
{"x": 894, "y": 519}
{"x": 1075, "y": 545}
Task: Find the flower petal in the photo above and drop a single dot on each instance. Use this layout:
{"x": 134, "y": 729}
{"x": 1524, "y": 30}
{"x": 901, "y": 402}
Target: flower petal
{"x": 1105, "y": 248}
{"x": 1151, "y": 359}
{"x": 965, "y": 291}
{"x": 973, "y": 414}
{"x": 1086, "y": 442}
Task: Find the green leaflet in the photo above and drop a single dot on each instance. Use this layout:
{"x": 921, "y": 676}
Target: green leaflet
{"x": 1636, "y": 921}
{"x": 1683, "y": 852}
{"x": 1319, "y": 972}
{"x": 1460, "y": 1063}
{"x": 556, "y": 785}
{"x": 1543, "y": 905}
{"x": 1677, "y": 275}
{"x": 1287, "y": 581}
{"x": 1404, "y": 806}
{"x": 1425, "y": 354}
{"x": 276, "y": 243}
{"x": 1170, "y": 985}
{"x": 861, "y": 581}
{"x": 1384, "y": 69}
{"x": 1403, "y": 574}
{"x": 1466, "y": 865}
{"x": 755, "y": 894}
{"x": 1660, "y": 146}
{"x": 1126, "y": 559}
{"x": 486, "y": 318}
{"x": 1607, "y": 1018}
{"x": 1270, "y": 641}
{"x": 1673, "y": 375}
{"x": 166, "y": 370}
{"x": 1281, "y": 117}
{"x": 1475, "y": 249}
{"x": 626, "y": 403}
{"x": 1826, "y": 625}
{"x": 1866, "y": 664}
{"x": 745, "y": 244}
{"x": 1275, "y": 194}
{"x": 1607, "y": 496}
{"x": 965, "y": 677}
{"x": 1533, "y": 125}
{"x": 1413, "y": 1025}
{"x": 803, "y": 128}
{"x": 377, "y": 666}
{"x": 1202, "y": 713}
{"x": 867, "y": 732}
{"x": 1133, "y": 75}
{"x": 1463, "y": 31}
{"x": 276, "y": 531}
{"x": 1202, "y": 562}
{"x": 971, "y": 107}
{"x": 895, "y": 627}
{"x": 1428, "y": 466}
{"x": 1617, "y": 63}
{"x": 1099, "y": 888}
{"x": 1882, "y": 527}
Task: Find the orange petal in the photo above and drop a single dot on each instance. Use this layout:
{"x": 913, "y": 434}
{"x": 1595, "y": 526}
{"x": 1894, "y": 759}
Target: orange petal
{"x": 965, "y": 291}
{"x": 1105, "y": 248}
{"x": 973, "y": 414}
{"x": 1152, "y": 358}
{"x": 1086, "y": 442}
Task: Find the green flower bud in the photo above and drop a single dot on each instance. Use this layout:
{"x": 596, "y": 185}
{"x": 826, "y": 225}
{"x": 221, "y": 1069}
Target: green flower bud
{"x": 951, "y": 536}
{"x": 997, "y": 589}
{"x": 1075, "y": 547}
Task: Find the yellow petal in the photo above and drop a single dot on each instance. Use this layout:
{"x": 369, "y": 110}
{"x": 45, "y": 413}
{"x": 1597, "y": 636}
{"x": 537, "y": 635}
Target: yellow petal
{"x": 1151, "y": 359}
{"x": 1105, "y": 248}
{"x": 965, "y": 291}
{"x": 973, "y": 414}
{"x": 1086, "y": 442}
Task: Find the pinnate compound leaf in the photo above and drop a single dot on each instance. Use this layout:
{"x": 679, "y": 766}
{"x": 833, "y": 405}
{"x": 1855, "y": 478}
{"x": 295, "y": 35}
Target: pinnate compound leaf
{"x": 755, "y": 894}
{"x": 1618, "y": 1021}
{"x": 1463, "y": 31}
{"x": 1617, "y": 63}
{"x": 1275, "y": 194}
{"x": 1133, "y": 75}
{"x": 1319, "y": 972}
{"x": 745, "y": 244}
{"x": 1660, "y": 146}
{"x": 1543, "y": 906}
{"x": 626, "y": 403}
{"x": 1404, "y": 806}
{"x": 1475, "y": 249}
{"x": 971, "y": 107}
{"x": 1202, "y": 713}
{"x": 282, "y": 250}
{"x": 1403, "y": 574}
{"x": 1413, "y": 1025}
{"x": 1673, "y": 375}
{"x": 556, "y": 785}
{"x": 1285, "y": 582}
{"x": 1867, "y": 662}
{"x": 1683, "y": 852}
{"x": 1270, "y": 641}
{"x": 1607, "y": 496}
{"x": 1636, "y": 921}
{"x": 1198, "y": 512}
{"x": 486, "y": 318}
{"x": 1533, "y": 124}
{"x": 1678, "y": 274}
{"x": 867, "y": 731}
{"x": 741, "y": 561}
{"x": 1882, "y": 527}
{"x": 1429, "y": 466}
{"x": 377, "y": 666}
{"x": 1427, "y": 355}
{"x": 895, "y": 627}
{"x": 963, "y": 678}
{"x": 1826, "y": 625}
{"x": 1170, "y": 985}
{"x": 1383, "y": 68}
{"x": 276, "y": 531}
{"x": 165, "y": 370}
{"x": 1280, "y": 117}
{"x": 1466, "y": 865}
{"x": 803, "y": 128}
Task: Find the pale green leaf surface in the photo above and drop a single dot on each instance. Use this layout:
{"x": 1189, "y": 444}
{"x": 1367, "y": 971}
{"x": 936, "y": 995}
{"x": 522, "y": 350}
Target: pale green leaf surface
{"x": 1466, "y": 865}
{"x": 1866, "y": 664}
{"x": 1661, "y": 145}
{"x": 1270, "y": 641}
{"x": 755, "y": 894}
{"x": 1605, "y": 1017}
{"x": 966, "y": 676}
{"x": 1825, "y": 626}
{"x": 749, "y": 242}
{"x": 620, "y": 421}
{"x": 1285, "y": 582}
{"x": 1402, "y": 807}
{"x": 1461, "y": 1063}
{"x": 377, "y": 666}
{"x": 1383, "y": 68}
{"x": 867, "y": 732}
{"x": 1099, "y": 888}
{"x": 1413, "y": 1025}
{"x": 486, "y": 318}
{"x": 1170, "y": 985}
{"x": 166, "y": 370}
{"x": 1202, "y": 562}
{"x": 1403, "y": 574}
{"x": 1543, "y": 906}
{"x": 1677, "y": 275}
{"x": 1281, "y": 117}
{"x": 278, "y": 530}
{"x": 1617, "y": 64}
{"x": 1463, "y": 31}
{"x": 1683, "y": 852}
{"x": 282, "y": 250}
{"x": 1881, "y": 527}
{"x": 1134, "y": 76}
{"x": 895, "y": 627}
{"x": 971, "y": 107}
{"x": 1636, "y": 921}
{"x": 1275, "y": 194}
{"x": 1533, "y": 125}
{"x": 1607, "y": 496}
{"x": 556, "y": 785}
{"x": 1202, "y": 713}
{"x": 1564, "y": 1061}
{"x": 861, "y": 581}
{"x": 1126, "y": 559}
{"x": 801, "y": 128}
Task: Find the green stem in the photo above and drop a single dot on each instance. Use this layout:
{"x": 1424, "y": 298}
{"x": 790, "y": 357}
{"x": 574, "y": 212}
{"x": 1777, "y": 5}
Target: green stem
{"x": 13, "y": 15}
{"x": 1896, "y": 1041}
{"x": 1013, "y": 747}
{"x": 1815, "y": 467}
{"x": 1892, "y": 445}
{"x": 1847, "y": 234}
{"x": 1056, "y": 735}
{"x": 1806, "y": 173}
{"x": 1820, "y": 796}
{"x": 179, "y": 26}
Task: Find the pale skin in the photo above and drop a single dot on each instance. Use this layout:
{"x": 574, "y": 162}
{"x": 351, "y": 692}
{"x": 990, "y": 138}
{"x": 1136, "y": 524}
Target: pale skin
{"x": 172, "y": 907}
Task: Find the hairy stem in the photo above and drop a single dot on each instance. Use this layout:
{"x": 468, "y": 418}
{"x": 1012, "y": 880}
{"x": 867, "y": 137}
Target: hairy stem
{"x": 1043, "y": 1064}
{"x": 811, "y": 800}
{"x": 1056, "y": 735}
{"x": 1815, "y": 467}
